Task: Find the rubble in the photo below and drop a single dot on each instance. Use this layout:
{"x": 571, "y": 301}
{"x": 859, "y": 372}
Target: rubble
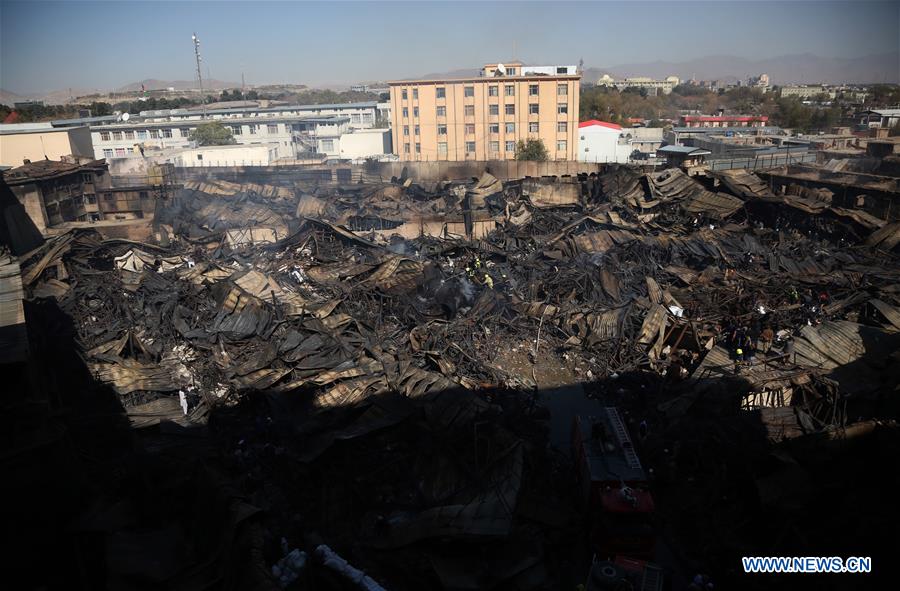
{"x": 370, "y": 357}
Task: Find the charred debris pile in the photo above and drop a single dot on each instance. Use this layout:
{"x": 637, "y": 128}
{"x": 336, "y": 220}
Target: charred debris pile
{"x": 367, "y": 358}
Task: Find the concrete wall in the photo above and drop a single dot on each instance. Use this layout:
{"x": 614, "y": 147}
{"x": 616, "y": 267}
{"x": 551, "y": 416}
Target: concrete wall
{"x": 363, "y": 144}
{"x": 238, "y": 155}
{"x": 502, "y": 169}
{"x": 54, "y": 144}
{"x": 383, "y": 171}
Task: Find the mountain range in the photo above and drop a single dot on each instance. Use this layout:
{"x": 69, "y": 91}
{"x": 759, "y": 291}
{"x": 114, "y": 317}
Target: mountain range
{"x": 786, "y": 69}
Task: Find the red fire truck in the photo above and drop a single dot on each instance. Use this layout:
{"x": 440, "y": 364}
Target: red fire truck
{"x": 614, "y": 486}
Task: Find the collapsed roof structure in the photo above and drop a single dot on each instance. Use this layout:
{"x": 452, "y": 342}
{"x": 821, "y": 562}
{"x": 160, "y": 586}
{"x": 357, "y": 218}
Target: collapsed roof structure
{"x": 384, "y": 342}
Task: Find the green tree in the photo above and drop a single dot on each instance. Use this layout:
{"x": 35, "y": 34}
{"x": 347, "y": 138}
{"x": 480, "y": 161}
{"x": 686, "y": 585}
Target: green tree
{"x": 212, "y": 134}
{"x": 533, "y": 149}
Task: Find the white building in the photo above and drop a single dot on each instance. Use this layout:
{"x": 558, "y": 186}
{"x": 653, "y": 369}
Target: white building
{"x": 293, "y": 136}
{"x": 808, "y": 92}
{"x": 599, "y": 141}
{"x": 360, "y": 115}
{"x": 365, "y": 143}
{"x": 653, "y": 87}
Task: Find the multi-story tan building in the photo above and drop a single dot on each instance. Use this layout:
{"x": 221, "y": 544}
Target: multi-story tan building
{"x": 484, "y": 118}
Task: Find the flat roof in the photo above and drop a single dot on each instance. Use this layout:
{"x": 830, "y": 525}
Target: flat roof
{"x": 187, "y": 122}
{"x": 683, "y": 150}
{"x": 196, "y": 111}
{"x": 81, "y": 121}
{"x": 487, "y": 79}
{"x": 6, "y": 130}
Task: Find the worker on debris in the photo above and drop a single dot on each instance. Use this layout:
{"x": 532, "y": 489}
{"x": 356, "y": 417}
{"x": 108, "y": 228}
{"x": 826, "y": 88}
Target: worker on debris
{"x": 488, "y": 281}
{"x": 477, "y": 262}
{"x": 766, "y": 337}
{"x": 470, "y": 272}
{"x": 789, "y": 356}
{"x": 793, "y": 296}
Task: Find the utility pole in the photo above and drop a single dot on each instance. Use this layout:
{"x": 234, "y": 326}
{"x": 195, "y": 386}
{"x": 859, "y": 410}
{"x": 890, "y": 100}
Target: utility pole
{"x": 199, "y": 74}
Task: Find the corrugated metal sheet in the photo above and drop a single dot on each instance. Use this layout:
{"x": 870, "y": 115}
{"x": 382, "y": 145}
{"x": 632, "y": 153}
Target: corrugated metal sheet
{"x": 888, "y": 311}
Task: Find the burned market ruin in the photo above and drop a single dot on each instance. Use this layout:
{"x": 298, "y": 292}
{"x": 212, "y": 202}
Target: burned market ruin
{"x": 616, "y": 380}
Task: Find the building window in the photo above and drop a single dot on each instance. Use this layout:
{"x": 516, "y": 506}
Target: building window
{"x": 415, "y": 111}
{"x": 405, "y": 112}
{"x": 442, "y": 148}
{"x": 494, "y": 146}
{"x": 561, "y": 145}
{"x": 510, "y": 146}
{"x": 510, "y": 90}
{"x": 117, "y": 135}
{"x": 154, "y": 134}
{"x": 510, "y": 109}
{"x": 562, "y": 127}
{"x": 107, "y": 196}
{"x": 533, "y": 127}
{"x": 442, "y": 111}
{"x": 415, "y": 94}
{"x": 512, "y": 71}
{"x": 144, "y": 195}
{"x": 107, "y": 153}
{"x": 129, "y": 135}
{"x": 328, "y": 145}
{"x": 533, "y": 109}
{"x": 532, "y": 90}
{"x": 406, "y": 130}
{"x": 272, "y": 128}
{"x": 469, "y": 91}
{"x": 87, "y": 178}
{"x": 562, "y": 89}
{"x": 440, "y": 92}
{"x": 403, "y": 96}
{"x": 142, "y": 134}
{"x": 406, "y": 148}
{"x": 562, "y": 108}
{"x": 493, "y": 91}
{"x": 418, "y": 148}
{"x": 120, "y": 152}
{"x": 510, "y": 128}
{"x": 416, "y": 130}
{"x": 442, "y": 129}
{"x": 185, "y": 132}
{"x": 494, "y": 109}
{"x": 104, "y": 136}
{"x": 494, "y": 128}
{"x": 470, "y": 110}
{"x": 236, "y": 130}
{"x": 167, "y": 133}
{"x": 470, "y": 128}
{"x": 368, "y": 118}
{"x": 470, "y": 147}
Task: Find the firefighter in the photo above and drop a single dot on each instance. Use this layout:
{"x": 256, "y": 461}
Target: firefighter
{"x": 488, "y": 281}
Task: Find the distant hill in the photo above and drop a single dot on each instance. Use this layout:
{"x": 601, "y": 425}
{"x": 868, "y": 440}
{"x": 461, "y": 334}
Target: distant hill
{"x": 461, "y": 73}
{"x": 8, "y": 98}
{"x": 786, "y": 69}
{"x": 154, "y": 84}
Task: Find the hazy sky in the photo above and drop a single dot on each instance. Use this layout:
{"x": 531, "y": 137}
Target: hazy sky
{"x": 53, "y": 45}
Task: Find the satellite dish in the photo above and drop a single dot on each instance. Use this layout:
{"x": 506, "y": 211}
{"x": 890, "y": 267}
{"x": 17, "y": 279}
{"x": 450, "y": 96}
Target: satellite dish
{"x": 125, "y": 116}
{"x": 501, "y": 69}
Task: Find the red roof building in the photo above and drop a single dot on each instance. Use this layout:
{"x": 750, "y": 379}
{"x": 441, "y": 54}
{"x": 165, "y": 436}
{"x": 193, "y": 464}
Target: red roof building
{"x": 724, "y": 120}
